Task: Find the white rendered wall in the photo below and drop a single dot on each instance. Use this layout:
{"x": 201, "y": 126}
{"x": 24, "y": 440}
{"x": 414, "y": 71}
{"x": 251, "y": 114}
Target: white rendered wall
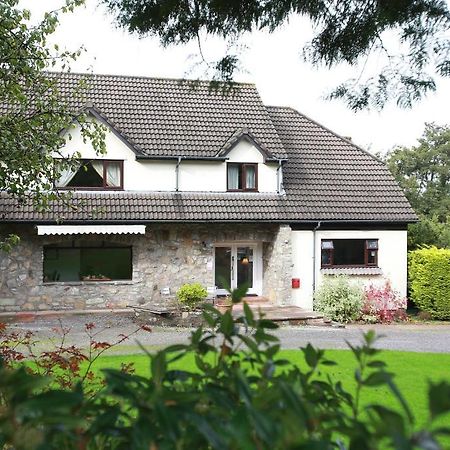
{"x": 302, "y": 267}
{"x": 245, "y": 152}
{"x": 154, "y": 175}
{"x": 392, "y": 260}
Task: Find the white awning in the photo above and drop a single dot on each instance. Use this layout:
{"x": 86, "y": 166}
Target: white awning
{"x": 89, "y": 229}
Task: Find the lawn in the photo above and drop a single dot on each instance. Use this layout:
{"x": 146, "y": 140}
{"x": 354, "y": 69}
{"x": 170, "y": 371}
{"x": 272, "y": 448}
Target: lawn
{"x": 412, "y": 373}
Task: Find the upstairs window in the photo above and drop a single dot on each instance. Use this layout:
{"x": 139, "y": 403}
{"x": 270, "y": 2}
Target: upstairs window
{"x": 93, "y": 174}
{"x": 349, "y": 253}
{"x": 242, "y": 177}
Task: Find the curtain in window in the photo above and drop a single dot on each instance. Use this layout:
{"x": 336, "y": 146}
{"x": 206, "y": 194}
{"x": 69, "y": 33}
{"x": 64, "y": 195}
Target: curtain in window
{"x": 113, "y": 174}
{"x": 250, "y": 177}
{"x": 98, "y": 167}
{"x": 66, "y": 174}
{"x": 233, "y": 177}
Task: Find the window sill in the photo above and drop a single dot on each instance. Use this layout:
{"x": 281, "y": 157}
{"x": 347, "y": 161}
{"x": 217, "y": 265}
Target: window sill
{"x": 351, "y": 271}
{"x": 87, "y": 283}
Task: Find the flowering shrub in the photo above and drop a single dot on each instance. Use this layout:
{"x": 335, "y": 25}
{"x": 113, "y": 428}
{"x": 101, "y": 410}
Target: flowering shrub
{"x": 339, "y": 299}
{"x": 383, "y": 304}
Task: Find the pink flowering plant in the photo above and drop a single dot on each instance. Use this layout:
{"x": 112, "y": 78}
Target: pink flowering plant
{"x": 383, "y": 304}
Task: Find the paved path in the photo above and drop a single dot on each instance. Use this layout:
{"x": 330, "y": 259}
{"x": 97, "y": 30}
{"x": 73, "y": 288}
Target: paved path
{"x": 420, "y": 338}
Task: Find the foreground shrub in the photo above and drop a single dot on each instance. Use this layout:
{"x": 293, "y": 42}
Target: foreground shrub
{"x": 241, "y": 395}
{"x": 191, "y": 295}
{"x": 66, "y": 364}
{"x": 383, "y": 304}
{"x": 429, "y": 278}
{"x": 339, "y": 299}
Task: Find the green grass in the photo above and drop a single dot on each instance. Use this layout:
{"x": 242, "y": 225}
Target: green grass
{"x": 412, "y": 372}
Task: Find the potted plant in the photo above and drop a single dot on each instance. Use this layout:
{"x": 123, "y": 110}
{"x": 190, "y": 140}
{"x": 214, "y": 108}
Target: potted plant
{"x": 95, "y": 277}
{"x": 223, "y": 304}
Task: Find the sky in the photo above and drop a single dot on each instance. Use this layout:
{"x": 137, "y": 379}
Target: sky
{"x": 272, "y": 61}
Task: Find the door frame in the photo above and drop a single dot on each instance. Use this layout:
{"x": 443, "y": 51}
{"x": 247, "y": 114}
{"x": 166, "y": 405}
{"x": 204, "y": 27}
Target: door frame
{"x": 257, "y": 264}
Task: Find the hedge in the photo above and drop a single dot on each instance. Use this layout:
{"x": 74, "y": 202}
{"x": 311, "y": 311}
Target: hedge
{"x": 429, "y": 277}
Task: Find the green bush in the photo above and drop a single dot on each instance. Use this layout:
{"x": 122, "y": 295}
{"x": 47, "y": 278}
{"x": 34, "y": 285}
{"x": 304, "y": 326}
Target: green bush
{"x": 339, "y": 299}
{"x": 429, "y": 278}
{"x": 191, "y": 295}
{"x": 241, "y": 395}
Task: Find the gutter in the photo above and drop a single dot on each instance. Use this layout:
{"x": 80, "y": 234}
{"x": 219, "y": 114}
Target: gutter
{"x": 177, "y": 174}
{"x": 314, "y": 255}
{"x": 187, "y": 158}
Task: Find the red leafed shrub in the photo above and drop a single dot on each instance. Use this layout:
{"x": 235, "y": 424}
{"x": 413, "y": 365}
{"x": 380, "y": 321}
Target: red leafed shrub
{"x": 383, "y": 304}
{"x": 66, "y": 364}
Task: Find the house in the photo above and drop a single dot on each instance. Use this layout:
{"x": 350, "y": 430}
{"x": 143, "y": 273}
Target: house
{"x": 202, "y": 186}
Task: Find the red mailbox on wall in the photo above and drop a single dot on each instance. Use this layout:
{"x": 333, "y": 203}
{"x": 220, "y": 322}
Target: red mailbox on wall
{"x": 295, "y": 283}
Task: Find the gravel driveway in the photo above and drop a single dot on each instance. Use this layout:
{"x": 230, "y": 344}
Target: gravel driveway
{"x": 420, "y": 338}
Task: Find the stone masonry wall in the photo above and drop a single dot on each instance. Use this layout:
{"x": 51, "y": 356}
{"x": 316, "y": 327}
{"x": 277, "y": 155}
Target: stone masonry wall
{"x": 277, "y": 263}
{"x": 168, "y": 255}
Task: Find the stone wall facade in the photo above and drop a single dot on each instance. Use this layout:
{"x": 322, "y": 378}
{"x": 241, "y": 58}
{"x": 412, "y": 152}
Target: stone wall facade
{"x": 168, "y": 255}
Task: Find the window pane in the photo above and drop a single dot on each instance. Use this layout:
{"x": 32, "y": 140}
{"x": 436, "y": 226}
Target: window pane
{"x": 62, "y": 264}
{"x": 348, "y": 252}
{"x": 223, "y": 267}
{"x": 90, "y": 174}
{"x": 245, "y": 266}
{"x": 250, "y": 177}
{"x": 326, "y": 257}
{"x": 113, "y": 173}
{"x": 233, "y": 176}
{"x": 112, "y": 263}
{"x": 372, "y": 244}
{"x": 65, "y": 175}
{"x": 75, "y": 264}
{"x": 372, "y": 257}
{"x": 327, "y": 244}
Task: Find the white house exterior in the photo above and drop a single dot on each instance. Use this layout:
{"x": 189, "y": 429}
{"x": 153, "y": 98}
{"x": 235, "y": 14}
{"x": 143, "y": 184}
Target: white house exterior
{"x": 200, "y": 186}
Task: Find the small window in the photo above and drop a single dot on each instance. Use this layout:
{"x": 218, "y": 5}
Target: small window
{"x": 92, "y": 174}
{"x": 349, "y": 253}
{"x": 242, "y": 177}
{"x": 87, "y": 262}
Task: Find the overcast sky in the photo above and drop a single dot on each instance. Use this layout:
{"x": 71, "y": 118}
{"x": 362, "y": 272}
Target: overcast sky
{"x": 272, "y": 61}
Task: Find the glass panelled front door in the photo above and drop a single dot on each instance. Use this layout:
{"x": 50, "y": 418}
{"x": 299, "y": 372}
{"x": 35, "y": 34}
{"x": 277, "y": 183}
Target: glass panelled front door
{"x": 235, "y": 265}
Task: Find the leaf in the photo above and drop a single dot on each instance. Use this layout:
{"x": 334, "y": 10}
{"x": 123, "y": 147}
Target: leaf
{"x": 248, "y": 314}
{"x": 377, "y": 379}
{"x": 311, "y": 356}
{"x": 439, "y": 398}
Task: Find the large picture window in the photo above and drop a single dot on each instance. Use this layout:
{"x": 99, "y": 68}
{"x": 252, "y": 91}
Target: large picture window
{"x": 242, "y": 177}
{"x": 88, "y": 261}
{"x": 92, "y": 174}
{"x": 349, "y": 253}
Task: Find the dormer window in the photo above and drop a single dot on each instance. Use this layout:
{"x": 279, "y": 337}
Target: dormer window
{"x": 242, "y": 177}
{"x": 93, "y": 174}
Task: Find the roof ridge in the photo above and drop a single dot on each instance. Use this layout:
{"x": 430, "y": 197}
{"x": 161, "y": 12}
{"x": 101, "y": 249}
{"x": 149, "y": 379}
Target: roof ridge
{"x": 147, "y": 77}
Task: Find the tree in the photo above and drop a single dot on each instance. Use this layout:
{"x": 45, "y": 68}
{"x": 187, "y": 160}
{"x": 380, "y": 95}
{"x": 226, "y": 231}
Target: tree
{"x": 33, "y": 112}
{"x": 423, "y": 171}
{"x": 346, "y": 31}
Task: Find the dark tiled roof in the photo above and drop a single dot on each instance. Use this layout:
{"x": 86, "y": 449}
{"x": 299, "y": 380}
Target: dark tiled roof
{"x": 333, "y": 178}
{"x": 165, "y": 117}
{"x": 326, "y": 177}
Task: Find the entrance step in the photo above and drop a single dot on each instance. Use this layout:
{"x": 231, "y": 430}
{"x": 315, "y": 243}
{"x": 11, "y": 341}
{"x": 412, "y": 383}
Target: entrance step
{"x": 289, "y": 315}
{"x": 256, "y": 300}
